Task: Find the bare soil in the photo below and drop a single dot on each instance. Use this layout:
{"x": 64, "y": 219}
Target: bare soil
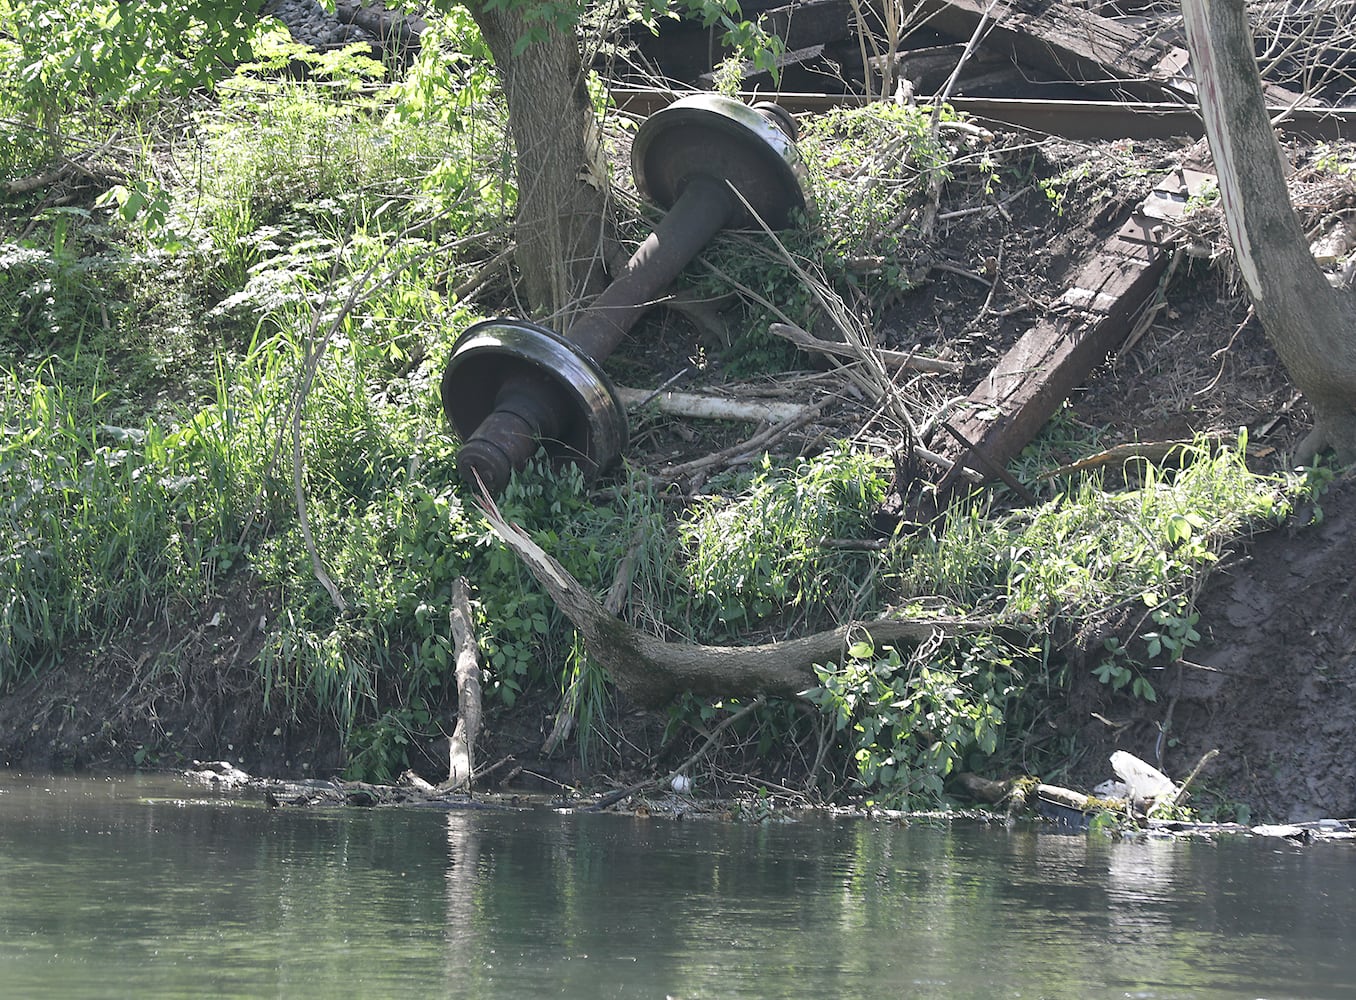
{"x": 1270, "y": 686}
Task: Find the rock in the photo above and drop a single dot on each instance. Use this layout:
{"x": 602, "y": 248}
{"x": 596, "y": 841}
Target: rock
{"x": 311, "y": 24}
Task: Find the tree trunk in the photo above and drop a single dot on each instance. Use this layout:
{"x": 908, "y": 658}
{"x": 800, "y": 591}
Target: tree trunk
{"x": 1309, "y": 322}
{"x": 561, "y": 225}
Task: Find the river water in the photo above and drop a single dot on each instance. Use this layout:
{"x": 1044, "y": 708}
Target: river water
{"x": 148, "y": 886}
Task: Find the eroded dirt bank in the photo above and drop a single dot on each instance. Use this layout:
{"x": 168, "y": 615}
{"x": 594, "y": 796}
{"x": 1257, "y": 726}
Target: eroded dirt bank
{"x": 1271, "y": 685}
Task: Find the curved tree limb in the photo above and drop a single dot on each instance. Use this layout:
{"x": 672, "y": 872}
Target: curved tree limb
{"x": 651, "y": 671}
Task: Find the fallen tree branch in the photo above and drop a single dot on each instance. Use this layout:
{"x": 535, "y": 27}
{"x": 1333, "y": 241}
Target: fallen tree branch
{"x": 757, "y": 443}
{"x": 690, "y": 404}
{"x": 651, "y": 672}
{"x": 25, "y": 185}
{"x": 807, "y": 341}
{"x": 1146, "y": 451}
{"x": 462, "y": 751}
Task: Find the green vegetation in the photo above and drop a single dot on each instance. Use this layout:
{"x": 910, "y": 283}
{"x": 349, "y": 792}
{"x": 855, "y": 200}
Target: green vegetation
{"x": 871, "y": 170}
{"x": 220, "y": 338}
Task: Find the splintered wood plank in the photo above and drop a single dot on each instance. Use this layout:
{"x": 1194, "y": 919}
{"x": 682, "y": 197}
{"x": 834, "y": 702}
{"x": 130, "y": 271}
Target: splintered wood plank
{"x": 1058, "y": 38}
{"x": 1089, "y": 321}
{"x": 1083, "y": 47}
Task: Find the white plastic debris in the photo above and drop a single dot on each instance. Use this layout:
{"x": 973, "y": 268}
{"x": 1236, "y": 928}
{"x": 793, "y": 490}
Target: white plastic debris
{"x": 1143, "y": 780}
{"x": 1111, "y": 789}
{"x": 681, "y": 783}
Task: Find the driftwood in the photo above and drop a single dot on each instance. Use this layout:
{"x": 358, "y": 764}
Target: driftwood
{"x": 651, "y": 672}
{"x": 1141, "y": 789}
{"x": 462, "y": 746}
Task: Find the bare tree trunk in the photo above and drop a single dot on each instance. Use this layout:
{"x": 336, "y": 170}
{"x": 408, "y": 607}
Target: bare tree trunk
{"x": 562, "y": 184}
{"x": 1309, "y": 322}
{"x": 462, "y": 746}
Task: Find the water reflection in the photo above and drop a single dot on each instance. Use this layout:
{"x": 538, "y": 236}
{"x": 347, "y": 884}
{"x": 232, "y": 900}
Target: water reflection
{"x": 169, "y": 891}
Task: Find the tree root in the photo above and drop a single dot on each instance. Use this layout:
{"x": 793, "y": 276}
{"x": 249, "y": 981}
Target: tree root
{"x": 651, "y": 672}
{"x": 1331, "y": 431}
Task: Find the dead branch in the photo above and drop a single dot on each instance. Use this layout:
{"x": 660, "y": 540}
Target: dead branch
{"x": 616, "y": 796}
{"x": 1066, "y": 797}
{"x": 1146, "y": 451}
{"x": 1181, "y": 793}
{"x": 652, "y": 672}
{"x": 870, "y": 375}
{"x": 757, "y": 443}
{"x": 483, "y": 275}
{"x": 706, "y": 407}
{"x": 896, "y": 360}
{"x": 25, "y": 185}
{"x": 462, "y": 752}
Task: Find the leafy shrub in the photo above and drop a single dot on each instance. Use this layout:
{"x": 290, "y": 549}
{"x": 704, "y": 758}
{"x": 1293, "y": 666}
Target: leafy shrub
{"x": 910, "y": 721}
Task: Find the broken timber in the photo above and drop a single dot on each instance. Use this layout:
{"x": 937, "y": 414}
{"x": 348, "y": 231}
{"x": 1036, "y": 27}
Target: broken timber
{"x": 1078, "y": 45}
{"x": 1089, "y": 321}
{"x": 1111, "y": 57}
{"x": 1070, "y": 119}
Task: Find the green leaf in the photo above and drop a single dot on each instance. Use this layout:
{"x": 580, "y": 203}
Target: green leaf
{"x": 861, "y": 650}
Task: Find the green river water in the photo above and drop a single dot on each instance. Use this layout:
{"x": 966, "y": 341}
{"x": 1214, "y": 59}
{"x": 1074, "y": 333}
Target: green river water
{"x": 148, "y": 886}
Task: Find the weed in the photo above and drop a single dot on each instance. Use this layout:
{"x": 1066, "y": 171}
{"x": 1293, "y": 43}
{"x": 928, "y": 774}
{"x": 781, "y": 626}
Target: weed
{"x": 911, "y": 720}
{"x": 300, "y": 276}
{"x": 762, "y": 553}
{"x": 1118, "y": 671}
{"x": 379, "y": 751}
{"x": 1331, "y": 160}
{"x": 1206, "y": 197}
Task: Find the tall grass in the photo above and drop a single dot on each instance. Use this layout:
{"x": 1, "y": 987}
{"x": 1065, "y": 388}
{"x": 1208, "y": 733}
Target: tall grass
{"x": 99, "y": 524}
{"x": 334, "y": 220}
{"x": 1088, "y": 548}
{"x": 906, "y": 719}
